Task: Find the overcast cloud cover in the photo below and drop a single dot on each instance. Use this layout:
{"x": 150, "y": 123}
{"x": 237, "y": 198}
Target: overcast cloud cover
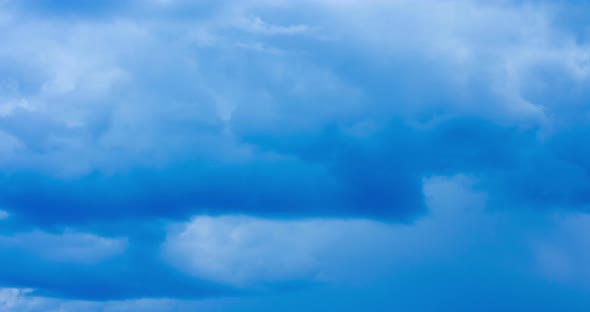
{"x": 275, "y": 155}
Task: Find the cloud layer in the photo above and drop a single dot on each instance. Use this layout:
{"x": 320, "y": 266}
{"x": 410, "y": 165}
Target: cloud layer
{"x": 189, "y": 150}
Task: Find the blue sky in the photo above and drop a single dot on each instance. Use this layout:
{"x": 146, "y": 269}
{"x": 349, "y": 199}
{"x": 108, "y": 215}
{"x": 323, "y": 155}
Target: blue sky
{"x": 264, "y": 155}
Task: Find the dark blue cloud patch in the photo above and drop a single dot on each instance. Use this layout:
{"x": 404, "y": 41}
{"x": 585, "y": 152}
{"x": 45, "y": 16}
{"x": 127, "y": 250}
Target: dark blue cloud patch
{"x": 280, "y": 189}
{"x": 295, "y": 175}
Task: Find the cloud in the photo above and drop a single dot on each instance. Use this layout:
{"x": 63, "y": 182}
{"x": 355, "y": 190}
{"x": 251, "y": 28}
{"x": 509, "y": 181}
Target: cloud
{"x": 452, "y": 257}
{"x": 66, "y": 247}
{"x": 253, "y": 252}
{"x": 21, "y": 300}
{"x": 246, "y": 251}
{"x": 94, "y": 104}
{"x": 258, "y": 26}
{"x": 83, "y": 266}
{"x": 292, "y": 258}
{"x": 304, "y": 123}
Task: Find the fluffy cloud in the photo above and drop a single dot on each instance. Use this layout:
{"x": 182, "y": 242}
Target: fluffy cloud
{"x": 459, "y": 235}
{"x": 350, "y": 100}
{"x": 251, "y": 252}
{"x": 458, "y": 250}
{"x": 263, "y": 124}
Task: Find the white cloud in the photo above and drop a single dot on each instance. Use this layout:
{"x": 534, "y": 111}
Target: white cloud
{"x": 13, "y": 299}
{"x": 22, "y": 300}
{"x": 254, "y": 252}
{"x": 246, "y": 250}
{"x": 500, "y": 44}
{"x": 118, "y": 83}
{"x": 258, "y": 26}
{"x": 249, "y": 252}
{"x": 69, "y": 246}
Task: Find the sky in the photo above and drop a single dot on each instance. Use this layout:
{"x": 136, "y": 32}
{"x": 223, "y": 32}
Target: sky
{"x": 276, "y": 155}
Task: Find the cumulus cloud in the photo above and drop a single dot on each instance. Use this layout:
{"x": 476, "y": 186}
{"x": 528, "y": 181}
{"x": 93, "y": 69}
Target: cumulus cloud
{"x": 286, "y": 142}
{"x": 247, "y": 252}
{"x": 460, "y": 236}
{"x": 96, "y": 96}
